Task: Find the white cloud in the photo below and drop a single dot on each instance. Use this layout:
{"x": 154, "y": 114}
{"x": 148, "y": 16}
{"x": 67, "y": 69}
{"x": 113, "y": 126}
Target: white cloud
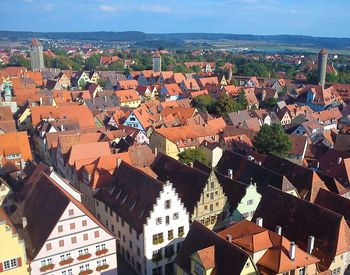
{"x": 154, "y": 8}
{"x": 108, "y": 8}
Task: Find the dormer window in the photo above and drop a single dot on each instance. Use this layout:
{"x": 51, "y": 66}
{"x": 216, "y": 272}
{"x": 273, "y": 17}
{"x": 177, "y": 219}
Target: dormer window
{"x": 198, "y": 269}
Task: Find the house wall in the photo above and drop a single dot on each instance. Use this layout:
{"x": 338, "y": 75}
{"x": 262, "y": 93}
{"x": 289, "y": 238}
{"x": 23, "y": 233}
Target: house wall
{"x": 212, "y": 209}
{"x": 86, "y": 238}
{"x": 131, "y": 104}
{"x": 12, "y": 248}
{"x": 151, "y": 228}
{"x": 248, "y": 204}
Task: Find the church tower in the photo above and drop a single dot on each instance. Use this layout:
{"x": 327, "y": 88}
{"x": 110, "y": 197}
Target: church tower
{"x": 36, "y": 55}
{"x": 157, "y": 62}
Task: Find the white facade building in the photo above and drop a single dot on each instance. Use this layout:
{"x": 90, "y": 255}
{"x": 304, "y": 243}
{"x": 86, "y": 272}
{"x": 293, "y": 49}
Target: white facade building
{"x": 148, "y": 218}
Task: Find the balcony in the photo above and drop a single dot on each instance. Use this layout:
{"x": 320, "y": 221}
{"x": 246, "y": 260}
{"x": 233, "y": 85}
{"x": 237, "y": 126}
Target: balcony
{"x": 47, "y": 267}
{"x": 66, "y": 261}
{"x": 157, "y": 257}
{"x": 85, "y": 272}
{"x": 84, "y": 257}
{"x": 101, "y": 252}
{"x": 102, "y": 267}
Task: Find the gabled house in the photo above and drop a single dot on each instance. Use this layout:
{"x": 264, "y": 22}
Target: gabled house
{"x": 61, "y": 236}
{"x": 128, "y": 98}
{"x": 210, "y": 198}
{"x": 150, "y": 228}
{"x": 80, "y": 79}
{"x": 127, "y": 84}
{"x": 170, "y": 92}
{"x": 13, "y": 259}
{"x": 205, "y": 252}
{"x": 300, "y": 221}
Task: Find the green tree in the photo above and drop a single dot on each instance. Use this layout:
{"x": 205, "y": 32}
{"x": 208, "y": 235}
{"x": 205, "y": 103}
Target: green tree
{"x": 19, "y": 61}
{"x": 242, "y": 102}
{"x": 190, "y": 155}
{"x": 224, "y": 105}
{"x": 268, "y": 103}
{"x": 272, "y": 139}
{"x": 203, "y": 103}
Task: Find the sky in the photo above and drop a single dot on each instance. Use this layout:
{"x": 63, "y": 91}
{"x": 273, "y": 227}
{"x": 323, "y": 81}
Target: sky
{"x": 327, "y": 18}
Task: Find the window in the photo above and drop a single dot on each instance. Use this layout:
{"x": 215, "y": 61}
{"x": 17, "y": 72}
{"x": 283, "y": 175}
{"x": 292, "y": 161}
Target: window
{"x": 176, "y": 215}
{"x": 138, "y": 251}
{"x": 122, "y": 222}
{"x": 48, "y": 246}
{"x": 212, "y": 185}
{"x": 83, "y": 251}
{"x": 130, "y": 229}
{"x": 167, "y": 204}
{"x": 158, "y": 221}
{"x": 84, "y": 223}
{"x": 205, "y": 207}
{"x": 130, "y": 244}
{"x": 198, "y": 269}
{"x": 181, "y": 231}
{"x": 170, "y": 235}
{"x": 249, "y": 202}
{"x": 74, "y": 240}
{"x": 301, "y": 271}
{"x": 60, "y": 228}
{"x": 85, "y": 237}
{"x": 72, "y": 226}
{"x": 67, "y": 272}
{"x": 158, "y": 238}
{"x": 61, "y": 243}
{"x": 211, "y": 208}
{"x": 119, "y": 235}
{"x": 123, "y": 238}
{"x": 65, "y": 256}
{"x": 97, "y": 234}
{"x": 9, "y": 264}
{"x": 84, "y": 267}
{"x": 117, "y": 217}
{"x": 71, "y": 212}
{"x": 167, "y": 220}
{"x": 46, "y": 262}
{"x": 100, "y": 247}
{"x": 101, "y": 262}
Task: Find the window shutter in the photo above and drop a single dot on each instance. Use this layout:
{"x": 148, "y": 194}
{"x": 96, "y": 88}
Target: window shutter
{"x": 19, "y": 261}
{"x": 1, "y": 268}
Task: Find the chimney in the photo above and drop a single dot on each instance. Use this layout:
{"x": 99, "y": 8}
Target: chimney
{"x": 190, "y": 164}
{"x": 259, "y": 221}
{"x": 155, "y": 151}
{"x": 230, "y": 174}
{"x": 24, "y": 222}
{"x": 292, "y": 251}
{"x": 318, "y": 165}
{"x": 339, "y": 160}
{"x": 105, "y": 98}
{"x": 62, "y": 128}
{"x": 229, "y": 237}
{"x": 279, "y": 230}
{"x": 51, "y": 169}
{"x": 310, "y": 244}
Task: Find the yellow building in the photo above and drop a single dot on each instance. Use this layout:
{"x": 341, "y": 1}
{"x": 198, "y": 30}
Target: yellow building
{"x": 129, "y": 98}
{"x": 172, "y": 141}
{"x": 13, "y": 260}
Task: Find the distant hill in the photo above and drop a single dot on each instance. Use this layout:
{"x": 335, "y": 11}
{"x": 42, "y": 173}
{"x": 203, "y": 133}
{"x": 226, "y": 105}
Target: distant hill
{"x": 178, "y": 39}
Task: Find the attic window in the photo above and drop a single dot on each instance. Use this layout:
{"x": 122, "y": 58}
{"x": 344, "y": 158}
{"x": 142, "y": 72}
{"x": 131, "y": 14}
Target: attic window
{"x": 125, "y": 198}
{"x": 143, "y": 212}
{"x": 133, "y": 206}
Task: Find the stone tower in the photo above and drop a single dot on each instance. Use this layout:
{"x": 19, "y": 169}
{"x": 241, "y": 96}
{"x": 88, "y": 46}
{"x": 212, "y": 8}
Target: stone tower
{"x": 157, "y": 62}
{"x": 322, "y": 66}
{"x": 36, "y": 55}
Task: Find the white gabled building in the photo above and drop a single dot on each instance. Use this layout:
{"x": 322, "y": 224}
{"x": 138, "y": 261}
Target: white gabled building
{"x": 147, "y": 216}
{"x": 61, "y": 236}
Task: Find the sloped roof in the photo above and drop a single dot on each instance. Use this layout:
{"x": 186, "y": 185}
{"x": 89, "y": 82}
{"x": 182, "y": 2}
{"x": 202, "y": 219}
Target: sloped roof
{"x": 300, "y": 219}
{"x": 188, "y": 182}
{"x": 229, "y": 259}
{"x": 125, "y": 194}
